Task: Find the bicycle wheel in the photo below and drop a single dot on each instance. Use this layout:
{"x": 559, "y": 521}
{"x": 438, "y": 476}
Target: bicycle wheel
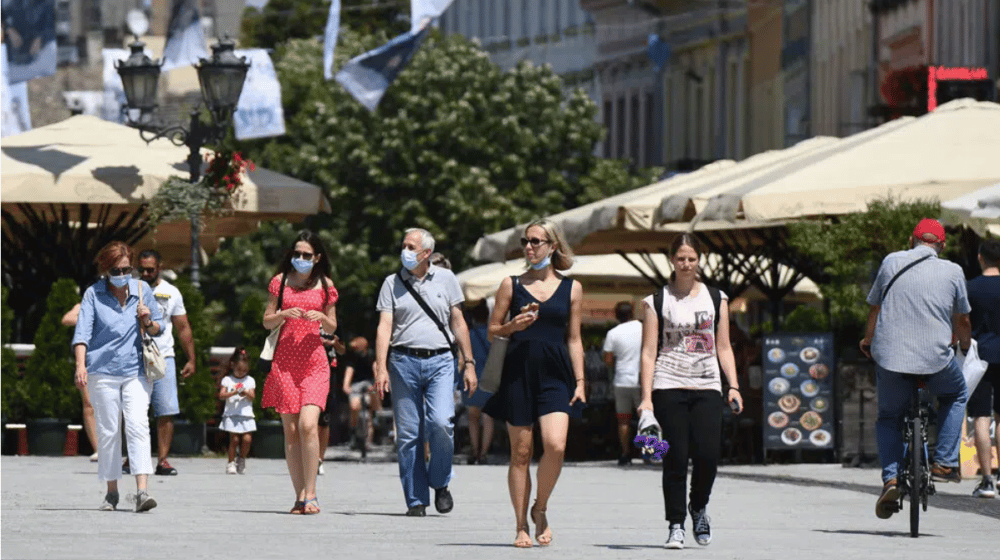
{"x": 916, "y": 475}
{"x": 362, "y": 435}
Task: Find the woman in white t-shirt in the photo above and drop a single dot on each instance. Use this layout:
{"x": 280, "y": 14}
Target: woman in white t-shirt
{"x": 238, "y": 418}
{"x": 681, "y": 383}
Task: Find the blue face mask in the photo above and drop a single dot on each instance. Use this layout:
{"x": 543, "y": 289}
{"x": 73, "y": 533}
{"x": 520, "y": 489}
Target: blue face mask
{"x": 409, "y": 259}
{"x": 543, "y": 263}
{"x": 302, "y": 265}
{"x": 119, "y": 281}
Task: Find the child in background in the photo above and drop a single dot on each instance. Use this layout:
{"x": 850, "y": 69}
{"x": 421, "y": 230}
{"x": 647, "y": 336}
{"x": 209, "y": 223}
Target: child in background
{"x": 238, "y": 418}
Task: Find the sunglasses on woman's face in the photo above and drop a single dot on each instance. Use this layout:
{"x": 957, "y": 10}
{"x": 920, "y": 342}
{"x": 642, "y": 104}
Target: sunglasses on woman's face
{"x": 535, "y": 242}
{"x": 302, "y": 255}
{"x": 120, "y": 271}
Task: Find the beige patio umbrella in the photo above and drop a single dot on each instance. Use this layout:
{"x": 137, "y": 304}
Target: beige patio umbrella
{"x": 86, "y": 160}
{"x": 979, "y": 209}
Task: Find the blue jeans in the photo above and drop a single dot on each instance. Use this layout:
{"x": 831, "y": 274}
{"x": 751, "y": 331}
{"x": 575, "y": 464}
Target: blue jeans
{"x": 423, "y": 400}
{"x": 893, "y": 402}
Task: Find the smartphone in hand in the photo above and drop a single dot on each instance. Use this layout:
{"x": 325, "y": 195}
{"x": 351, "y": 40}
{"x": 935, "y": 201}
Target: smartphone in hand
{"x": 735, "y": 405}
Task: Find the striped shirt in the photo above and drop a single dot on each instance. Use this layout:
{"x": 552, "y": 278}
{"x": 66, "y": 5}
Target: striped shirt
{"x": 914, "y": 326}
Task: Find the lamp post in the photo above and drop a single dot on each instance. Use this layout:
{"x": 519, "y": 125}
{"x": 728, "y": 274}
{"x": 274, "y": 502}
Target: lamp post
{"x": 221, "y": 79}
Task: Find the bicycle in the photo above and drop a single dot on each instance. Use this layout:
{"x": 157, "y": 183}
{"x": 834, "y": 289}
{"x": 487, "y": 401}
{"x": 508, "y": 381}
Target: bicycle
{"x": 915, "y": 481}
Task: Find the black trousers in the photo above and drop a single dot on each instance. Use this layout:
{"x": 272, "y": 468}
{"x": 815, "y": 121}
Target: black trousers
{"x": 692, "y": 424}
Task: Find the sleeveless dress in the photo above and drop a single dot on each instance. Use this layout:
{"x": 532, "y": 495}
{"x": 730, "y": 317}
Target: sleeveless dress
{"x": 300, "y": 370}
{"x": 537, "y": 376}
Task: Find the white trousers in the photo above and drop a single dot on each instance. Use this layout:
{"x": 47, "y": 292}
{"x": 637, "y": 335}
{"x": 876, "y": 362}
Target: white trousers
{"x": 114, "y": 397}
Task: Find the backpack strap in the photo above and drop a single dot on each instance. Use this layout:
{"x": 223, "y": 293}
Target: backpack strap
{"x": 716, "y": 303}
{"x": 658, "y": 306}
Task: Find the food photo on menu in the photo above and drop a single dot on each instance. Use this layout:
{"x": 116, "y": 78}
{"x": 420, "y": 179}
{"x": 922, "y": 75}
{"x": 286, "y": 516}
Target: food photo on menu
{"x": 798, "y": 395}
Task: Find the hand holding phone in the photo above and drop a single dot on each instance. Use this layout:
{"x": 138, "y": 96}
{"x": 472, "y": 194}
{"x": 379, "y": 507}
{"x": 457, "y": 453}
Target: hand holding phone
{"x": 735, "y": 405}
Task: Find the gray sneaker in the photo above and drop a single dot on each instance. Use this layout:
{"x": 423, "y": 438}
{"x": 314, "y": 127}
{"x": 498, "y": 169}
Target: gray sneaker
{"x": 241, "y": 465}
{"x": 676, "y": 538}
{"x": 110, "y": 502}
{"x": 702, "y": 529}
{"x": 985, "y": 489}
{"x": 144, "y": 502}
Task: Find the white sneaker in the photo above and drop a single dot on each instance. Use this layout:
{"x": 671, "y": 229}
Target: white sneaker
{"x": 231, "y": 467}
{"x": 319, "y": 470}
{"x": 985, "y": 489}
{"x": 241, "y": 465}
{"x": 676, "y": 538}
{"x": 93, "y": 458}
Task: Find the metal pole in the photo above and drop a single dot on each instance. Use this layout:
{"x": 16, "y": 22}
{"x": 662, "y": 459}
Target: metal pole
{"x": 194, "y": 141}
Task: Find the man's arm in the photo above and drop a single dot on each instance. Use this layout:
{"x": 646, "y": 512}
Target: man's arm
{"x": 461, "y": 332}
{"x": 866, "y": 342}
{"x": 962, "y": 327}
{"x": 184, "y": 334}
{"x": 382, "y": 336}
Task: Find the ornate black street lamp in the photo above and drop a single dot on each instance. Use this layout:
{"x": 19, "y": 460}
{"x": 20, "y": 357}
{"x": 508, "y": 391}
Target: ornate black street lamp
{"x": 221, "y": 79}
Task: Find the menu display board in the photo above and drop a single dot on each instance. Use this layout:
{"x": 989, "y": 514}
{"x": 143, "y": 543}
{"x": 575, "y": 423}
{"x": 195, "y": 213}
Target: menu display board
{"x": 798, "y": 391}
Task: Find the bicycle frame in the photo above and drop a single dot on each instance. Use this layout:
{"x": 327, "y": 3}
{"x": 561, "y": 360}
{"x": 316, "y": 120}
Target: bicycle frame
{"x": 914, "y": 471}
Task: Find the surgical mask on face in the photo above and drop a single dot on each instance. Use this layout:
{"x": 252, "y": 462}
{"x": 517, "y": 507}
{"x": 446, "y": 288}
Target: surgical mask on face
{"x": 302, "y": 265}
{"x": 409, "y": 259}
{"x": 543, "y": 263}
{"x": 119, "y": 281}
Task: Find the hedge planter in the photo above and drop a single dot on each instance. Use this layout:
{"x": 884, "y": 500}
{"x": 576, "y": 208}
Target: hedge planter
{"x": 268, "y": 440}
{"x": 47, "y": 436}
{"x": 189, "y": 438}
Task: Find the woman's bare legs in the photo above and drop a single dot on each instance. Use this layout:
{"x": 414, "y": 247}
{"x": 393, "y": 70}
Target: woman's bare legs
{"x": 293, "y": 454}
{"x": 309, "y": 451}
{"x": 554, "y": 428}
{"x": 475, "y": 414}
{"x": 484, "y": 446}
{"x": 519, "y": 480}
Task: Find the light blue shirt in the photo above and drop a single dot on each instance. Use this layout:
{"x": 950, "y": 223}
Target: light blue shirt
{"x": 111, "y": 332}
{"x": 411, "y": 326}
{"x": 913, "y": 330}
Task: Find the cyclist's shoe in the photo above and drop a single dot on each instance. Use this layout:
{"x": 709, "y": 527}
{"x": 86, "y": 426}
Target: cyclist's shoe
{"x": 985, "y": 489}
{"x": 164, "y": 469}
{"x": 941, "y": 473}
{"x": 416, "y": 511}
{"x": 702, "y": 529}
{"x": 676, "y": 538}
{"x": 442, "y": 500}
{"x": 888, "y": 502}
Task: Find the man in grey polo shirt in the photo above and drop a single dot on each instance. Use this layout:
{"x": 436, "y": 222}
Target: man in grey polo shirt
{"x": 915, "y": 316}
{"x": 414, "y": 361}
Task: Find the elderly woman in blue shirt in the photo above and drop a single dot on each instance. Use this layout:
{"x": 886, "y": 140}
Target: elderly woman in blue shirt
{"x": 109, "y": 366}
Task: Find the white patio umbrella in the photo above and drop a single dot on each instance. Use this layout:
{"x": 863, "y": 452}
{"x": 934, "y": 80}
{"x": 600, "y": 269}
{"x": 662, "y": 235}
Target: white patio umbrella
{"x": 979, "y": 209}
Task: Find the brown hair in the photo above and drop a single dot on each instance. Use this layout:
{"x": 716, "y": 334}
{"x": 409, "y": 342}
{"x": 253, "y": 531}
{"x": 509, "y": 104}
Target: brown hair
{"x": 562, "y": 256}
{"x": 110, "y": 254}
{"x": 685, "y": 239}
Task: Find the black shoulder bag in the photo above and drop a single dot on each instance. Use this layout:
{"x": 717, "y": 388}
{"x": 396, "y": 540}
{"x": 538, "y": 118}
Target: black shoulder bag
{"x": 430, "y": 313}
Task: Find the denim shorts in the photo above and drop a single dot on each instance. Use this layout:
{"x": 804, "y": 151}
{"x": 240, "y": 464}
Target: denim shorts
{"x": 164, "y": 399}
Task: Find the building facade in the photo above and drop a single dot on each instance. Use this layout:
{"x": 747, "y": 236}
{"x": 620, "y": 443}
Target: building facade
{"x": 841, "y": 67}
{"x": 765, "y": 113}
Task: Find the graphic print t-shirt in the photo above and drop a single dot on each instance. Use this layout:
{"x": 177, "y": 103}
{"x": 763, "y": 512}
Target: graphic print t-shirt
{"x": 688, "y": 358}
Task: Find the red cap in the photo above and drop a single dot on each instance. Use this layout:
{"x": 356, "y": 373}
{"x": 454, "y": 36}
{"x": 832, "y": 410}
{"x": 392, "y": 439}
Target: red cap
{"x": 929, "y": 226}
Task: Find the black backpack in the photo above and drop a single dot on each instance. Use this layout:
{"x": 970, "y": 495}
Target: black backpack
{"x": 658, "y": 306}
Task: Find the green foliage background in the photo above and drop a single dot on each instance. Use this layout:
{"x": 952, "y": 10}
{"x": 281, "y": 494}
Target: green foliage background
{"x": 48, "y": 387}
{"x": 196, "y": 394}
{"x": 8, "y": 362}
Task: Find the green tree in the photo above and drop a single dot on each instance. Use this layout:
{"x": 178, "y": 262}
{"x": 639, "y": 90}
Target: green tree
{"x": 852, "y": 248}
{"x": 281, "y": 20}
{"x": 457, "y": 146}
{"x": 48, "y": 378}
{"x": 8, "y": 363}
{"x": 196, "y": 393}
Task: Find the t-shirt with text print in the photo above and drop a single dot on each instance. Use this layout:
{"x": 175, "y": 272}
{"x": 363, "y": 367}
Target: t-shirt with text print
{"x": 688, "y": 358}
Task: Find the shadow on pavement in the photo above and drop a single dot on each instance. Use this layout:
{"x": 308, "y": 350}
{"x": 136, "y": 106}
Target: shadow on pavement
{"x": 873, "y": 533}
{"x": 629, "y": 546}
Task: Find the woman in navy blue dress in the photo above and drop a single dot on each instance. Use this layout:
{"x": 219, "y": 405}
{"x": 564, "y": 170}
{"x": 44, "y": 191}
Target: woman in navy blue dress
{"x": 542, "y": 376}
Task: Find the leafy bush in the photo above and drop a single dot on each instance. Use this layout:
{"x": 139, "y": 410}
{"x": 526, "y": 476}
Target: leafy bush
{"x": 254, "y": 334}
{"x": 196, "y": 393}
{"x": 8, "y": 363}
{"x": 48, "y": 389}
{"x": 805, "y": 318}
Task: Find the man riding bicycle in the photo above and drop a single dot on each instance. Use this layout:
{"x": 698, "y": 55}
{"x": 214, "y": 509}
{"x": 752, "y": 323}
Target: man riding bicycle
{"x": 911, "y": 330}
{"x": 358, "y": 381}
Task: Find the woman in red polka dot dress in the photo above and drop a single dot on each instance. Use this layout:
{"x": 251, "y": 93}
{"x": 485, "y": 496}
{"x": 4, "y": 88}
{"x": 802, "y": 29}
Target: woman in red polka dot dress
{"x": 299, "y": 380}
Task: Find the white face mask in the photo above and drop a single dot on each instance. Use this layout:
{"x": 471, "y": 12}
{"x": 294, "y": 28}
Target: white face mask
{"x": 409, "y": 259}
{"x": 119, "y": 281}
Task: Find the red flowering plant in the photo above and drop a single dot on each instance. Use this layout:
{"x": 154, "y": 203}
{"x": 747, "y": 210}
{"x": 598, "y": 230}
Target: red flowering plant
{"x": 177, "y": 199}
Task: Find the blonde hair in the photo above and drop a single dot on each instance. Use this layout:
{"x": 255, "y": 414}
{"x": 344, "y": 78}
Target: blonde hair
{"x": 562, "y": 254}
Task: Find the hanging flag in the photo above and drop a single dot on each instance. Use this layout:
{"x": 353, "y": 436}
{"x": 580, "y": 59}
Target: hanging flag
{"x": 259, "y": 113}
{"x": 367, "y": 76}
{"x": 330, "y": 38}
{"x": 421, "y": 10}
{"x": 185, "y": 37}
{"x": 29, "y": 31}
{"x": 16, "y": 113}
{"x": 114, "y": 91}
{"x": 658, "y": 51}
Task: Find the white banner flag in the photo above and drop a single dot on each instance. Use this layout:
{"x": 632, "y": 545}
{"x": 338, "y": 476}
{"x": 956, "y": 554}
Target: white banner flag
{"x": 259, "y": 113}
{"x": 16, "y": 113}
{"x": 330, "y": 38}
{"x": 426, "y": 9}
{"x": 114, "y": 91}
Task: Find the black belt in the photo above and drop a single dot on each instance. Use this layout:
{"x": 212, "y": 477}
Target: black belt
{"x": 420, "y": 352}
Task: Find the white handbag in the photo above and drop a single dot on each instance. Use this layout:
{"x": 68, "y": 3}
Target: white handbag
{"x": 152, "y": 359}
{"x": 271, "y": 342}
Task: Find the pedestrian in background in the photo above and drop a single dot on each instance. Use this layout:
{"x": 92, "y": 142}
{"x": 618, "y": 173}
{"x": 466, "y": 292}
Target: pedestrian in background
{"x": 359, "y": 378}
{"x": 108, "y": 351}
{"x": 984, "y": 299}
{"x": 480, "y": 423}
{"x": 238, "y": 391}
{"x": 622, "y": 347}
{"x": 543, "y": 377}
{"x": 419, "y": 318}
{"x": 299, "y": 381}
{"x": 684, "y": 343}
